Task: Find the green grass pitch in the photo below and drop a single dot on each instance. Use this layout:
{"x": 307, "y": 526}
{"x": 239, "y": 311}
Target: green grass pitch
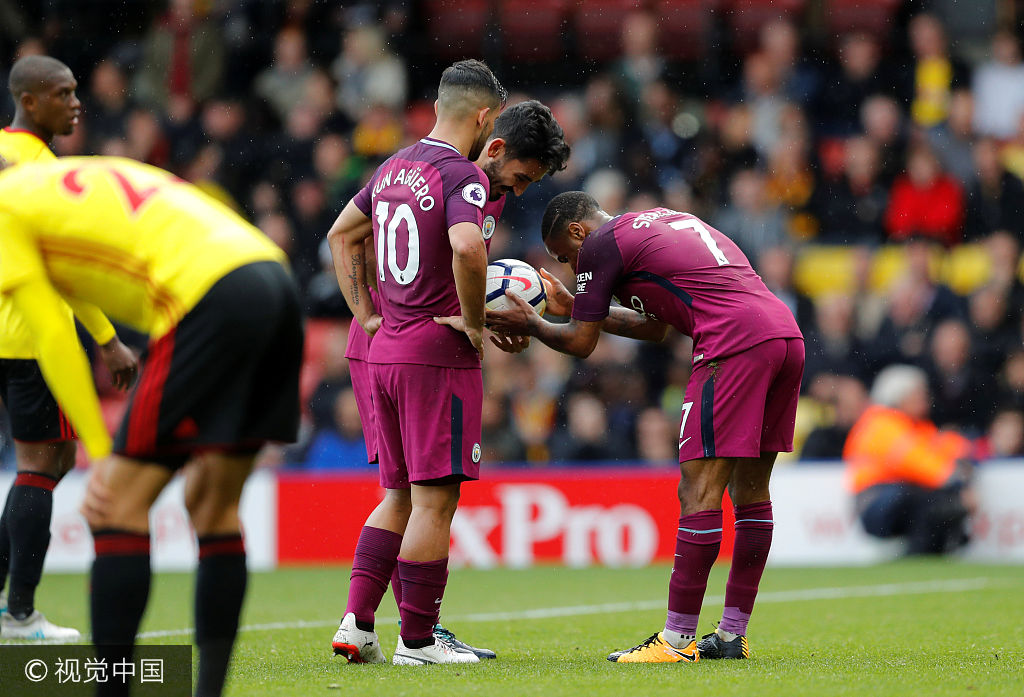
{"x": 910, "y": 628}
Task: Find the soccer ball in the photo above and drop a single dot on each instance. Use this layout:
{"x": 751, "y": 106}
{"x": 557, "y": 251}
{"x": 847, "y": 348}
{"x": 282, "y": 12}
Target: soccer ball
{"x": 518, "y": 277}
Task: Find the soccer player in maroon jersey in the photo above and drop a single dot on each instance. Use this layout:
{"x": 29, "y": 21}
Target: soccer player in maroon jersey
{"x": 424, "y": 208}
{"x": 671, "y": 269}
{"x": 526, "y": 144}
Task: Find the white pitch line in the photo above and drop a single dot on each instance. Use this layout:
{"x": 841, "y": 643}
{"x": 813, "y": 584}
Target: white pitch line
{"x": 806, "y": 594}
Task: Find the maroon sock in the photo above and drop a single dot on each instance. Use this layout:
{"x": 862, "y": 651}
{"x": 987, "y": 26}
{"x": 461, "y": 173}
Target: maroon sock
{"x": 754, "y": 525}
{"x": 697, "y": 543}
{"x": 396, "y": 587}
{"x": 423, "y": 585}
{"x": 375, "y": 558}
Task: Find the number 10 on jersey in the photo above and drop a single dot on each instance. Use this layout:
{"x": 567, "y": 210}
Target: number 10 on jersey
{"x": 387, "y": 235}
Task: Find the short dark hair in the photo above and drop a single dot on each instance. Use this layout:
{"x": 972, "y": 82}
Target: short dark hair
{"x": 33, "y": 73}
{"x": 470, "y": 76}
{"x": 531, "y": 132}
{"x": 568, "y": 207}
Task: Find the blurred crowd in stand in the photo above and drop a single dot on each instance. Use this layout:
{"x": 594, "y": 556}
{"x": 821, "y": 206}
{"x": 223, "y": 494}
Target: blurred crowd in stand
{"x": 871, "y": 171}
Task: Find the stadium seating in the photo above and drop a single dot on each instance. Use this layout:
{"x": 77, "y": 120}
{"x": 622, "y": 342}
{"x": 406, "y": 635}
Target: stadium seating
{"x": 456, "y": 28}
{"x": 820, "y": 270}
{"x": 744, "y": 19}
{"x": 532, "y": 30}
{"x": 598, "y": 27}
{"x": 684, "y": 27}
{"x": 873, "y": 17}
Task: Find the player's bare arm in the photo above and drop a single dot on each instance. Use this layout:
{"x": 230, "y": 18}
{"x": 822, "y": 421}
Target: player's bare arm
{"x": 575, "y": 338}
{"x": 469, "y": 264}
{"x": 346, "y": 239}
{"x": 620, "y": 321}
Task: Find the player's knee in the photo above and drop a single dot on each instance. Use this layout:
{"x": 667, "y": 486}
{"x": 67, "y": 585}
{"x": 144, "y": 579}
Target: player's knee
{"x": 398, "y": 501}
{"x": 699, "y": 494}
{"x": 214, "y": 518}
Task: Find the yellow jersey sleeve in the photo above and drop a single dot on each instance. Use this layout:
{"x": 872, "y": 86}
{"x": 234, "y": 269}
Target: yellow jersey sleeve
{"x": 93, "y": 319}
{"x": 63, "y": 362}
{"x": 20, "y": 259}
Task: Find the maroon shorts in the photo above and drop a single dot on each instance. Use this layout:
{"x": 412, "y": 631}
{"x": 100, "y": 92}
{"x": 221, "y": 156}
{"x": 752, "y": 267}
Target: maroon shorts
{"x": 743, "y": 405}
{"x": 428, "y": 423}
{"x": 362, "y": 386}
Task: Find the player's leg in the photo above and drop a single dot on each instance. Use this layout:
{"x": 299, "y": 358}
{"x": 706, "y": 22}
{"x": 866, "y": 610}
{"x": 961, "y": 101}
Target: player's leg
{"x": 25, "y": 527}
{"x": 213, "y": 489}
{"x": 698, "y": 540}
{"x": 375, "y": 560}
{"x": 120, "y": 494}
{"x": 441, "y": 408}
{"x": 380, "y": 539}
{"x": 45, "y": 452}
{"x": 423, "y": 569}
{"x": 748, "y": 488}
{"x": 752, "y": 507}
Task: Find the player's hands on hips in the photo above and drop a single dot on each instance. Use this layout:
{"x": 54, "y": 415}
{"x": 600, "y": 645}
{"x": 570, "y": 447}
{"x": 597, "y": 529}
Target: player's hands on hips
{"x": 371, "y": 325}
{"x": 510, "y": 343}
{"x": 458, "y": 323}
{"x": 559, "y": 298}
{"x": 516, "y": 320}
{"x": 121, "y": 362}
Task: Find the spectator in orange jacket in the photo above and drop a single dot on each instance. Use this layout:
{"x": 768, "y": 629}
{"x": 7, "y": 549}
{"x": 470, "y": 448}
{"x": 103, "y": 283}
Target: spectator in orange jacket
{"x": 910, "y": 479}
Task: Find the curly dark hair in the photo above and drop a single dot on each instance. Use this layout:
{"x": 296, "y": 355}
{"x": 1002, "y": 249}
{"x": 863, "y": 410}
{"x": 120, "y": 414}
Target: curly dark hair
{"x": 531, "y": 132}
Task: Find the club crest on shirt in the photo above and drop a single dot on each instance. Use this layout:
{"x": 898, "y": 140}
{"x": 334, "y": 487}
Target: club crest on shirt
{"x": 477, "y": 452}
{"x": 474, "y": 193}
{"x": 488, "y": 227}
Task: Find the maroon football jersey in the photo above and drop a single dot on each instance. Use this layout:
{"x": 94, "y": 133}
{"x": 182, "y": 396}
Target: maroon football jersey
{"x": 413, "y": 199}
{"x": 676, "y": 268}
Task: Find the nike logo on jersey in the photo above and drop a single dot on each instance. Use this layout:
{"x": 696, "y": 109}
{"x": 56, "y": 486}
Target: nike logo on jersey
{"x": 683, "y": 442}
{"x": 527, "y": 283}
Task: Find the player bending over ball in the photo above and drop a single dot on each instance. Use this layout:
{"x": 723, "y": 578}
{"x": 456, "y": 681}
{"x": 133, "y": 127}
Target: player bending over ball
{"x": 740, "y": 404}
{"x": 220, "y": 378}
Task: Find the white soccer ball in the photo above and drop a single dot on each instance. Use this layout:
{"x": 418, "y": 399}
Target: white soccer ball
{"x": 518, "y": 277}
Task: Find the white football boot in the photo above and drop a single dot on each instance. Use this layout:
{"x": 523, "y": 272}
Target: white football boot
{"x": 356, "y": 645}
{"x": 35, "y": 627}
{"x": 438, "y": 652}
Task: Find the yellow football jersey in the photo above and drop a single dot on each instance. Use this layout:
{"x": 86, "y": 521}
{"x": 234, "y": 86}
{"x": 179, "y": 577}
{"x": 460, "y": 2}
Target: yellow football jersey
{"x": 127, "y": 238}
{"x": 19, "y": 146}
{"x": 135, "y": 241}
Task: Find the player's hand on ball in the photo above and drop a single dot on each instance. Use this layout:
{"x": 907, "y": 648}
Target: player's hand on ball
{"x": 121, "y": 362}
{"x": 510, "y": 343}
{"x": 458, "y": 323}
{"x": 559, "y": 298}
{"x": 513, "y": 321}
